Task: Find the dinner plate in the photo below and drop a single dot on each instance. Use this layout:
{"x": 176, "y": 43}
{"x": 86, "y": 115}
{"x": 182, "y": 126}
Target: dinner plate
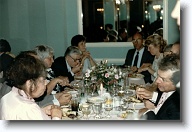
{"x": 95, "y": 99}
{"x": 137, "y": 76}
{"x": 64, "y": 106}
{"x": 136, "y": 105}
{"x": 73, "y": 92}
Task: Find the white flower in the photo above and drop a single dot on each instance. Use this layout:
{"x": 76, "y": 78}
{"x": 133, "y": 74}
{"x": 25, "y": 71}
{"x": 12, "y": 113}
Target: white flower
{"x": 116, "y": 76}
{"x": 87, "y": 74}
{"x": 106, "y": 75}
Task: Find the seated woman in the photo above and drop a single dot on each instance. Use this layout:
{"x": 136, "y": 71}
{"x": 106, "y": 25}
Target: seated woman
{"x": 87, "y": 61}
{"x": 27, "y": 76}
{"x": 156, "y": 45}
{"x": 45, "y": 54}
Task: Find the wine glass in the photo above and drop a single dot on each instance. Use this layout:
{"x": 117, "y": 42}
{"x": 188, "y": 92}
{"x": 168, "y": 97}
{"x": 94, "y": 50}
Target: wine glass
{"x": 86, "y": 110}
{"x": 97, "y": 107}
{"x": 108, "y": 106}
{"x": 121, "y": 93}
{"x": 124, "y": 105}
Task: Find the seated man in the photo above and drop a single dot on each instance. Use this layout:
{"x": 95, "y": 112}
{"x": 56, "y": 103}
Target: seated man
{"x": 144, "y": 56}
{"x": 168, "y": 106}
{"x": 68, "y": 65}
{"x": 122, "y": 35}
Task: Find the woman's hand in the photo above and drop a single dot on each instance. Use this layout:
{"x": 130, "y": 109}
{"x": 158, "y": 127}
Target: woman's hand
{"x": 56, "y": 111}
{"x": 63, "y": 81}
{"x": 143, "y": 69}
{"x": 63, "y": 97}
{"x": 134, "y": 68}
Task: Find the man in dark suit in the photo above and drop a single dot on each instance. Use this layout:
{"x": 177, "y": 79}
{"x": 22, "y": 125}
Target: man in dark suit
{"x": 69, "y": 64}
{"x": 168, "y": 106}
{"x": 144, "y": 56}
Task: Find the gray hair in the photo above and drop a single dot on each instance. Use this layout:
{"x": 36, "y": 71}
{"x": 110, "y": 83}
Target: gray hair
{"x": 170, "y": 62}
{"x": 43, "y": 51}
{"x": 72, "y": 50}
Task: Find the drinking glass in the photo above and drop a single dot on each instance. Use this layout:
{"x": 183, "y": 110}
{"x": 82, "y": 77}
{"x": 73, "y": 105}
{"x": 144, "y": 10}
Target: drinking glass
{"x": 108, "y": 106}
{"x": 97, "y": 107}
{"x": 86, "y": 110}
{"x": 124, "y": 105}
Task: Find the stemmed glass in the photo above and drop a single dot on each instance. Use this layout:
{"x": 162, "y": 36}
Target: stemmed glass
{"x": 97, "y": 107}
{"x": 108, "y": 106}
{"x": 86, "y": 110}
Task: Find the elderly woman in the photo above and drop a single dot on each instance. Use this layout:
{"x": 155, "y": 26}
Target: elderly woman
{"x": 87, "y": 61}
{"x": 27, "y": 75}
{"x": 55, "y": 84}
{"x": 156, "y": 45}
{"x": 45, "y": 54}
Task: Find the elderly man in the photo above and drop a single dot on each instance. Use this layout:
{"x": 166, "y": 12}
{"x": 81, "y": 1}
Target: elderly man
{"x": 68, "y": 65}
{"x": 168, "y": 106}
{"x": 139, "y": 55}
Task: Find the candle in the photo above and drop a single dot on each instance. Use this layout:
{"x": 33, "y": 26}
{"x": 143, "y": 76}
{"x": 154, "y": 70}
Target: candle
{"x": 101, "y": 88}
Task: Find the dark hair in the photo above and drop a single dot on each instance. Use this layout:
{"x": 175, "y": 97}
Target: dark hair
{"x": 168, "y": 48}
{"x": 4, "y": 46}
{"x": 76, "y": 39}
{"x": 109, "y": 26}
{"x": 25, "y": 67}
{"x": 159, "y": 32}
{"x": 170, "y": 62}
{"x": 122, "y": 30}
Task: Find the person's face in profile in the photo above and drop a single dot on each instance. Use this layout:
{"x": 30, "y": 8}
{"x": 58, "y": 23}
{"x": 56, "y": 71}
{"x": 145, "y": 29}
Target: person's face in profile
{"x": 176, "y": 12}
{"x": 164, "y": 82}
{"x": 39, "y": 87}
{"x": 74, "y": 60}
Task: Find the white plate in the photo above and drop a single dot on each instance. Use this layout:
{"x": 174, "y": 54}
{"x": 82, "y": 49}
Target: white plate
{"x": 136, "y": 105}
{"x": 95, "y": 99}
{"x": 138, "y": 76}
{"x": 64, "y": 106}
{"x": 73, "y": 92}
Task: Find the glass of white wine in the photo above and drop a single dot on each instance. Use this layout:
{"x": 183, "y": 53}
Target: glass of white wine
{"x": 108, "y": 106}
{"x": 86, "y": 110}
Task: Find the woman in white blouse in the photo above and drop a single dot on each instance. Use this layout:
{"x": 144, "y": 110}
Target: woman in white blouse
{"x": 27, "y": 78}
{"x": 156, "y": 45}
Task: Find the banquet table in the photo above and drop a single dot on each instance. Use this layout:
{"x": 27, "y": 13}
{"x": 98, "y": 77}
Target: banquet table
{"x": 116, "y": 114}
{"x": 131, "y": 114}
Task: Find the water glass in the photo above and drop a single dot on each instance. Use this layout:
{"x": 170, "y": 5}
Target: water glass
{"x": 97, "y": 107}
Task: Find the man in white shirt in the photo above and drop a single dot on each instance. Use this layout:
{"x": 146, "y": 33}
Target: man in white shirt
{"x": 168, "y": 106}
{"x": 144, "y": 56}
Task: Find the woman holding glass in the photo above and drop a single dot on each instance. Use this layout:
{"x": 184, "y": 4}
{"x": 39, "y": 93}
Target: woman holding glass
{"x": 27, "y": 78}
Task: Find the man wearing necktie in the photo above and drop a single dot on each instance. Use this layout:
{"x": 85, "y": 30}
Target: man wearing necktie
{"x": 139, "y": 55}
{"x": 168, "y": 107}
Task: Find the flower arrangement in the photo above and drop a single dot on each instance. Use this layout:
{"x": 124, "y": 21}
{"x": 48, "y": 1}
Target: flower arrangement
{"x": 102, "y": 73}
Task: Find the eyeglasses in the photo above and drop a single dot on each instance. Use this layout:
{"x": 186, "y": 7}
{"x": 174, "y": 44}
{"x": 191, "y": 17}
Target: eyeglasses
{"x": 75, "y": 60}
{"x": 134, "y": 40}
